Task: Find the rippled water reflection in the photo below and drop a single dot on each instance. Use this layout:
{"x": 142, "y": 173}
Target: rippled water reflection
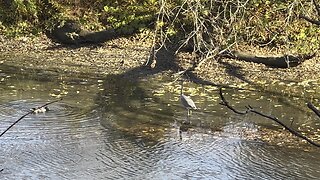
{"x": 118, "y": 128}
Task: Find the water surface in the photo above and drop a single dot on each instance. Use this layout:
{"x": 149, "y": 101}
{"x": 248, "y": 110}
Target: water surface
{"x": 117, "y": 127}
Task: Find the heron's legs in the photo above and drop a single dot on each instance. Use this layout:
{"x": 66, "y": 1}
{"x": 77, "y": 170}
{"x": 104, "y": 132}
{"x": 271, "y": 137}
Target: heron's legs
{"x": 189, "y": 112}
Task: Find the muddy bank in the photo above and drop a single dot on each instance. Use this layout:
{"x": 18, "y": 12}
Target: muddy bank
{"x": 120, "y": 55}
{"x": 114, "y": 57}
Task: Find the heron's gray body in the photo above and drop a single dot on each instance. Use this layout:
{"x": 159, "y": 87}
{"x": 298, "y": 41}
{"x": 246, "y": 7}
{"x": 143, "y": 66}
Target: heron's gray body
{"x": 186, "y": 101}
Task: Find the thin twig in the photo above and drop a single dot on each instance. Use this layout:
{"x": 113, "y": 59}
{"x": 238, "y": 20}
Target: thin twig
{"x": 30, "y": 112}
{"x": 250, "y": 109}
{"x": 310, "y": 20}
{"x": 294, "y": 132}
{"x": 313, "y": 108}
{"x": 316, "y": 5}
{"x": 226, "y": 103}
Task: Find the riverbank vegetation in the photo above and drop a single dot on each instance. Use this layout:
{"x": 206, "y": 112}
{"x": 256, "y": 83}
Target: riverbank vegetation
{"x": 208, "y": 26}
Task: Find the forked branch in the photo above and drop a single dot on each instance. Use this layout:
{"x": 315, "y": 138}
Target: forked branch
{"x": 251, "y": 110}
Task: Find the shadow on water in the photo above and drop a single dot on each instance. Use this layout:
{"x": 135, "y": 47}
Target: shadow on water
{"x": 216, "y": 142}
{"x": 128, "y": 106}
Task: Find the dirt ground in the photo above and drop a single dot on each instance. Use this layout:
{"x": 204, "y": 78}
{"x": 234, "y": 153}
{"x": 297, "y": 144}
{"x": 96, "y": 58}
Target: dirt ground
{"x": 41, "y": 53}
{"x": 120, "y": 55}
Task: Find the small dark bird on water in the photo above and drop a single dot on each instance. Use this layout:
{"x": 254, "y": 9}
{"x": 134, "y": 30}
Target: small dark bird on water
{"x": 40, "y": 110}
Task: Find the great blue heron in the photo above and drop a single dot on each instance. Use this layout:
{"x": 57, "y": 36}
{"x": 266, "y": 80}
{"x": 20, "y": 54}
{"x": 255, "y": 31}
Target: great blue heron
{"x": 186, "y": 101}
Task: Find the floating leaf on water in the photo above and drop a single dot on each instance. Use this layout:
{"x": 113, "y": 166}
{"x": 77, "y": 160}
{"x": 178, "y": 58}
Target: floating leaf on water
{"x": 53, "y": 95}
{"x": 304, "y": 83}
{"x": 243, "y": 97}
{"x": 310, "y": 91}
{"x": 291, "y": 84}
{"x": 157, "y": 94}
{"x": 261, "y": 82}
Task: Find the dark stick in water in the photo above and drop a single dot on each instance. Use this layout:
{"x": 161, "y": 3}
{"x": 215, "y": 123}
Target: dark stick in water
{"x": 251, "y": 110}
{"x": 30, "y": 112}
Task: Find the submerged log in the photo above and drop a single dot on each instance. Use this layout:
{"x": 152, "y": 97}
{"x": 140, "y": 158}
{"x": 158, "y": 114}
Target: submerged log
{"x": 285, "y": 61}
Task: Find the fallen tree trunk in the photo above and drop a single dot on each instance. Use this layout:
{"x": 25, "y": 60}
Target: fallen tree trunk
{"x": 70, "y": 32}
{"x": 285, "y": 61}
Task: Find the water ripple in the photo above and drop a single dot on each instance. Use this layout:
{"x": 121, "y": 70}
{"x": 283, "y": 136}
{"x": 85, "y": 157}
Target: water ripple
{"x": 53, "y": 145}
{"x": 69, "y": 142}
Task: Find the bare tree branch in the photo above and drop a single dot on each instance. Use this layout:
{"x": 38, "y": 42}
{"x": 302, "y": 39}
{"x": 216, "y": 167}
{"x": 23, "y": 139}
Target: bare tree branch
{"x": 30, "y": 112}
{"x": 250, "y": 109}
{"x": 226, "y": 103}
{"x": 313, "y": 108}
{"x": 309, "y": 19}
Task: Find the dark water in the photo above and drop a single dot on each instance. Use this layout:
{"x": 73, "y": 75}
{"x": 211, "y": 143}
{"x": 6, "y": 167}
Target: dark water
{"x": 116, "y": 127}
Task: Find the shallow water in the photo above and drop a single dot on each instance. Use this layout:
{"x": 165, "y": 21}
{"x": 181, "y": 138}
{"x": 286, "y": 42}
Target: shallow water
{"x": 116, "y": 127}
